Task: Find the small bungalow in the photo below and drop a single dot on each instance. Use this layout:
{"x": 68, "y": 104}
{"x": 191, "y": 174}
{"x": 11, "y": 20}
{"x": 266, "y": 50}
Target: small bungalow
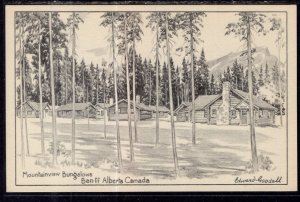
{"x": 82, "y": 110}
{"x": 229, "y": 108}
{"x": 182, "y": 112}
{"x": 162, "y": 111}
{"x": 101, "y": 110}
{"x": 32, "y": 109}
{"x": 143, "y": 112}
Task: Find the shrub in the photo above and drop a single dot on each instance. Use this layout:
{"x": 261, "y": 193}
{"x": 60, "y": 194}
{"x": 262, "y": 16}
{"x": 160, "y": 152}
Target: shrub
{"x": 61, "y": 149}
{"x": 264, "y": 163}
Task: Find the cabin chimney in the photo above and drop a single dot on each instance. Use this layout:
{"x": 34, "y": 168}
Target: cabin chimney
{"x": 138, "y": 99}
{"x": 223, "y": 112}
{"x": 111, "y": 101}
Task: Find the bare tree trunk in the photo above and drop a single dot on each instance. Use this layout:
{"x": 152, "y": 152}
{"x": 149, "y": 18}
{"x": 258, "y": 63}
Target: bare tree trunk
{"x": 134, "y": 96}
{"x": 252, "y": 128}
{"x": 116, "y": 97}
{"x": 88, "y": 117}
{"x": 105, "y": 110}
{"x": 52, "y": 93}
{"x": 83, "y": 86}
{"x": 41, "y": 94}
{"x": 25, "y": 99}
{"x": 66, "y": 83}
{"x": 21, "y": 95}
{"x": 73, "y": 93}
{"x": 279, "y": 80}
{"x": 87, "y": 94}
{"x": 150, "y": 89}
{"x": 97, "y": 83}
{"x": 128, "y": 93}
{"x": 193, "y": 84}
{"x": 171, "y": 102}
{"x": 157, "y": 87}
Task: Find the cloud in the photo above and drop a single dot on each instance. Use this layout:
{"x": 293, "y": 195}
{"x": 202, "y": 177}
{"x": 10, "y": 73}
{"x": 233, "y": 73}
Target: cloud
{"x": 98, "y": 51}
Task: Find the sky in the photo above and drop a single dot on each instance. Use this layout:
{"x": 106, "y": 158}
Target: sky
{"x": 92, "y": 44}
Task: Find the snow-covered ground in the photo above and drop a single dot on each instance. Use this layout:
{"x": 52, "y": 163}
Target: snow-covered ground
{"x": 220, "y": 152}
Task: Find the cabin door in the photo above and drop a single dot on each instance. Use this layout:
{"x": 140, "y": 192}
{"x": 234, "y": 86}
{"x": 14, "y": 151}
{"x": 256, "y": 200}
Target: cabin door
{"x": 244, "y": 116}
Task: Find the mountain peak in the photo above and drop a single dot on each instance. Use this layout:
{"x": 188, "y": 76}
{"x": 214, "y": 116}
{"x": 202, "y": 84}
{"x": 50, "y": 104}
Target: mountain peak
{"x": 261, "y": 57}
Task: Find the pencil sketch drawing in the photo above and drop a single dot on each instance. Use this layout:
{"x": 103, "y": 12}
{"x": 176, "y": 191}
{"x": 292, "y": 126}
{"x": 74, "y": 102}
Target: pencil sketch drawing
{"x": 154, "y": 96}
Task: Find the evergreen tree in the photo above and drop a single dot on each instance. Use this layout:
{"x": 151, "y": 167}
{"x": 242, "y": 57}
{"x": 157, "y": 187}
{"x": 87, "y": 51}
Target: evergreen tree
{"x": 243, "y": 78}
{"x": 198, "y": 76}
{"x": 212, "y": 90}
{"x": 164, "y": 85}
{"x": 267, "y": 75}
{"x": 174, "y": 80}
{"x": 261, "y": 77}
{"x": 235, "y": 77}
{"x": 204, "y": 74}
{"x": 185, "y": 80}
{"x": 275, "y": 76}
{"x": 177, "y": 87}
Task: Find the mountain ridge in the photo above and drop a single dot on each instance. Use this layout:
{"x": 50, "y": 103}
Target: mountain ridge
{"x": 261, "y": 56}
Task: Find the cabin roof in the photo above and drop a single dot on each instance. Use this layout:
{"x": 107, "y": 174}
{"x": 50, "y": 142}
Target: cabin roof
{"x": 204, "y": 100}
{"x": 102, "y": 105}
{"x": 78, "y": 106}
{"x": 35, "y": 105}
{"x": 183, "y": 104}
{"x": 256, "y": 101}
{"x": 142, "y": 106}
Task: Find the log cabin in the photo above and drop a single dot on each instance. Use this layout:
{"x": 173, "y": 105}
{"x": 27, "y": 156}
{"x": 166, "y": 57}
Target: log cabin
{"x": 144, "y": 112}
{"x": 82, "y": 110}
{"x": 229, "y": 108}
{"x": 32, "y": 109}
{"x": 101, "y": 110}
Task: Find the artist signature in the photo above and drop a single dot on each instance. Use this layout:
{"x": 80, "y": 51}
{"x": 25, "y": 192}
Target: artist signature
{"x": 261, "y": 179}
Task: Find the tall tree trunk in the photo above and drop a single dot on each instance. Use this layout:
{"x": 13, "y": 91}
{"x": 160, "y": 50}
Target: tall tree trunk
{"x": 105, "y": 109}
{"x": 252, "y": 128}
{"x": 73, "y": 92}
{"x": 116, "y": 96}
{"x": 97, "y": 83}
{"x": 41, "y": 94}
{"x": 25, "y": 99}
{"x": 21, "y": 95}
{"x": 83, "y": 86}
{"x": 128, "y": 93}
{"x": 87, "y": 94}
{"x": 279, "y": 79}
{"x": 52, "y": 93}
{"x": 193, "y": 84}
{"x": 88, "y": 113}
{"x": 150, "y": 89}
{"x": 157, "y": 86}
{"x": 66, "y": 83}
{"x": 134, "y": 96}
{"x": 171, "y": 102}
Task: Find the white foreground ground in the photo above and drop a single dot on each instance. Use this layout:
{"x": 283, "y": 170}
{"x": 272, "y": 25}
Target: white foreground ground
{"x": 221, "y": 152}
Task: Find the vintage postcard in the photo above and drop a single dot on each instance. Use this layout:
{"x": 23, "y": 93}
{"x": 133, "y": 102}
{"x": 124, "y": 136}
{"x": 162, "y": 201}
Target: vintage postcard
{"x": 117, "y": 98}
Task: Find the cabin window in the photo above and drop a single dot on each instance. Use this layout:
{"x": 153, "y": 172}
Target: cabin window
{"x": 261, "y": 113}
{"x": 233, "y": 113}
{"x": 123, "y": 110}
{"x": 213, "y": 113}
{"x": 98, "y": 112}
{"x": 205, "y": 114}
{"x": 29, "y": 112}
